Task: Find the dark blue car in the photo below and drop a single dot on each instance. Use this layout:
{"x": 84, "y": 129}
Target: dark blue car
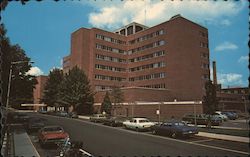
{"x": 174, "y": 129}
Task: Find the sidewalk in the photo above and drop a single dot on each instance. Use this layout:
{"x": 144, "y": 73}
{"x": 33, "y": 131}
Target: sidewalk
{"x": 224, "y": 137}
{"x": 23, "y": 145}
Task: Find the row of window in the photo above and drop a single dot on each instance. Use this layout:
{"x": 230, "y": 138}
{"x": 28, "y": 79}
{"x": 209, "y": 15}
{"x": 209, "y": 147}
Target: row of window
{"x": 205, "y": 66}
{"x": 107, "y": 48}
{"x": 234, "y": 91}
{"x": 109, "y": 68}
{"x": 148, "y": 66}
{"x": 203, "y": 34}
{"x": 115, "y": 50}
{"x": 146, "y": 57}
{"x": 158, "y": 86}
{"x": 205, "y": 77}
{"x": 146, "y": 37}
{"x": 205, "y": 55}
{"x": 109, "y": 39}
{"x": 111, "y": 59}
{"x": 102, "y": 88}
{"x": 151, "y": 45}
{"x": 110, "y": 78}
{"x": 202, "y": 44}
{"x": 148, "y": 77}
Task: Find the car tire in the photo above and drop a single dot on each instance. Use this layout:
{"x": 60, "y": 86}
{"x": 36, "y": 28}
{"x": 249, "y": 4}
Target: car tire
{"x": 154, "y": 132}
{"x": 173, "y": 134}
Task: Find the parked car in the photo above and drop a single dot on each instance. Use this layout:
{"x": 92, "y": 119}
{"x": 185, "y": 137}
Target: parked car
{"x": 174, "y": 129}
{"x": 35, "y": 123}
{"x": 53, "y": 113}
{"x": 222, "y": 116}
{"x": 62, "y": 114}
{"x": 138, "y": 124}
{"x": 215, "y": 120}
{"x": 115, "y": 121}
{"x": 98, "y": 118}
{"x": 42, "y": 111}
{"x": 191, "y": 118}
{"x": 52, "y": 135}
{"x": 202, "y": 119}
{"x": 72, "y": 115}
{"x": 230, "y": 115}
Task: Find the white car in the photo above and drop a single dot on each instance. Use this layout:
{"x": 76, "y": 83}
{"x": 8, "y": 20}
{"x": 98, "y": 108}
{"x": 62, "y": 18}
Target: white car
{"x": 138, "y": 124}
{"x": 220, "y": 115}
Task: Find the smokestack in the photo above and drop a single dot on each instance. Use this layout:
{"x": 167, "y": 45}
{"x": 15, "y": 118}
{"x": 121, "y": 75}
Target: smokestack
{"x": 214, "y": 73}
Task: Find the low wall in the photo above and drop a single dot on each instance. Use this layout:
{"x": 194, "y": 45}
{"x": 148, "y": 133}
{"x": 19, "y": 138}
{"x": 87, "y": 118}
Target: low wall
{"x": 149, "y": 109}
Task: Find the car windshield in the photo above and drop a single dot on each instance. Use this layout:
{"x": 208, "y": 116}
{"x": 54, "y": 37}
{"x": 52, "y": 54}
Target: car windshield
{"x": 143, "y": 121}
{"x": 53, "y": 129}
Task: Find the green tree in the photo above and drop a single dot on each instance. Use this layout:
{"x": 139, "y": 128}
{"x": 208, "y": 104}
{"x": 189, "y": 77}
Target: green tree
{"x": 117, "y": 98}
{"x": 106, "y": 104}
{"x": 210, "y": 99}
{"x": 22, "y": 84}
{"x": 75, "y": 90}
{"x": 51, "y": 89}
{"x": 210, "y": 104}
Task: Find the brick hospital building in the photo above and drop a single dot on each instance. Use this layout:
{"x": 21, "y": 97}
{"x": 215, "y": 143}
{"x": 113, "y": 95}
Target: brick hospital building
{"x": 161, "y": 67}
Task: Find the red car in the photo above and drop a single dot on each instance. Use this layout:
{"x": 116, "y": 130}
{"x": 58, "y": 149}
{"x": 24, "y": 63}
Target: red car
{"x": 52, "y": 135}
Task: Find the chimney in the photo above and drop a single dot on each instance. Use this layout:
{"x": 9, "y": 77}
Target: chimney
{"x": 214, "y": 73}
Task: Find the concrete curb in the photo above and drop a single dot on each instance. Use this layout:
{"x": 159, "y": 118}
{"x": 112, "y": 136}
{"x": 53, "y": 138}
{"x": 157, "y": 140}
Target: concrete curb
{"x": 224, "y": 137}
{"x": 83, "y": 117}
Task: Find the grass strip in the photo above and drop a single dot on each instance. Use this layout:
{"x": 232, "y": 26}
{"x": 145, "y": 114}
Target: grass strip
{"x": 242, "y": 133}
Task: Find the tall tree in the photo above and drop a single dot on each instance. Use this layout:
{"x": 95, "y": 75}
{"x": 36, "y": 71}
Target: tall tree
{"x": 75, "y": 90}
{"x": 51, "y": 89}
{"x": 210, "y": 99}
{"x": 117, "y": 97}
{"x": 106, "y": 104}
{"x": 22, "y": 84}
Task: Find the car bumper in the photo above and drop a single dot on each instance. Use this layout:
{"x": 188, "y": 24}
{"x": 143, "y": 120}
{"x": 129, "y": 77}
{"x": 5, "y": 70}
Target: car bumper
{"x": 54, "y": 141}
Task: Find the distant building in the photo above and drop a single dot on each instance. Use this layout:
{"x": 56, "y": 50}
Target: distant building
{"x": 39, "y": 88}
{"x": 231, "y": 98}
{"x": 234, "y": 98}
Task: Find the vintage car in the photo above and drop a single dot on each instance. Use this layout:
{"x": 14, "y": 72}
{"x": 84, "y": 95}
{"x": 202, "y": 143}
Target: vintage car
{"x": 98, "y": 118}
{"x": 174, "y": 129}
{"x": 201, "y": 119}
{"x": 115, "y": 121}
{"x": 73, "y": 115}
{"x": 138, "y": 124}
{"x": 52, "y": 135}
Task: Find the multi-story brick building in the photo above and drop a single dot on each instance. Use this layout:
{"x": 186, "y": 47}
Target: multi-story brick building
{"x": 165, "y": 63}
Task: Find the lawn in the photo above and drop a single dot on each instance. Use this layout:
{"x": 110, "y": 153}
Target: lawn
{"x": 243, "y": 133}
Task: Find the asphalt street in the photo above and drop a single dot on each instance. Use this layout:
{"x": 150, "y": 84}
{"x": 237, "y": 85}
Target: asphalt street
{"x": 100, "y": 140}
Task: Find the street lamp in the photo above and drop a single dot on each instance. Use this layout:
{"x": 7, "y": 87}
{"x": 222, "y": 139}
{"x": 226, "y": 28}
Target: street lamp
{"x": 245, "y": 106}
{"x": 9, "y": 82}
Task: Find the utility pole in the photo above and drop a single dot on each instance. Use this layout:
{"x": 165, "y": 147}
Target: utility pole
{"x": 195, "y": 122}
{"x": 10, "y": 76}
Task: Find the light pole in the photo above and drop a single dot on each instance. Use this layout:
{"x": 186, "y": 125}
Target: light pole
{"x": 195, "y": 123}
{"x": 245, "y": 105}
{"x": 9, "y": 82}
